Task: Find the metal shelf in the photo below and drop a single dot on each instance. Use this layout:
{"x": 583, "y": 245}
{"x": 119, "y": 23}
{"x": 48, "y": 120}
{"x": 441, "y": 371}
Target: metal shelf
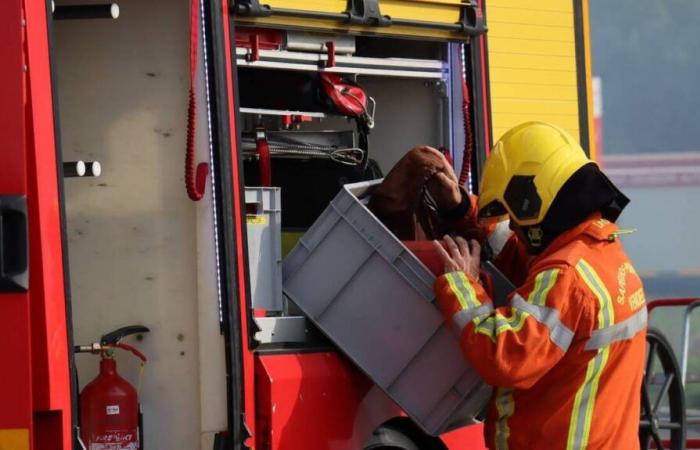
{"x": 318, "y": 62}
{"x": 280, "y": 112}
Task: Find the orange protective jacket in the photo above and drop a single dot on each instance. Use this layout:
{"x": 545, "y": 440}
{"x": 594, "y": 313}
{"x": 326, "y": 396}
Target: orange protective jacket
{"x": 566, "y": 355}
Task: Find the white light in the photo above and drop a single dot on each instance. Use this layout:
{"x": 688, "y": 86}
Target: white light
{"x": 80, "y": 168}
{"x": 96, "y": 168}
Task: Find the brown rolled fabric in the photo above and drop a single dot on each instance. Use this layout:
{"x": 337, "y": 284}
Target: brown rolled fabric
{"x": 404, "y": 205}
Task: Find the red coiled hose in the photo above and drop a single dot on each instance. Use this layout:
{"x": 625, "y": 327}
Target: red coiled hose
{"x": 195, "y": 183}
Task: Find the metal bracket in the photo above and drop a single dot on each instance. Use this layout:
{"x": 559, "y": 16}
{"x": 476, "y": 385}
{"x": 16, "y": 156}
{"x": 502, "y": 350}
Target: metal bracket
{"x": 78, "y": 439}
{"x": 274, "y": 330}
{"x": 254, "y": 54}
{"x": 251, "y": 8}
{"x": 367, "y": 13}
{"x": 330, "y": 49}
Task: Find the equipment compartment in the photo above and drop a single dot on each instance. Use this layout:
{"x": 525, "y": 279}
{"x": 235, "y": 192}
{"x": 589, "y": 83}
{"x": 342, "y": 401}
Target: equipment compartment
{"x": 139, "y": 250}
{"x": 348, "y": 274}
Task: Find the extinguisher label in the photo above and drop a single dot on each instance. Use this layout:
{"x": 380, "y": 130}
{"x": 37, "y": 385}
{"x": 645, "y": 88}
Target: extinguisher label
{"x": 115, "y": 440}
{"x": 112, "y": 410}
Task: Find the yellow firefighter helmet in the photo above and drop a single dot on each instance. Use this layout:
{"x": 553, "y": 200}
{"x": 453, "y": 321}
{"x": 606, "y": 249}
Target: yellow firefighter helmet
{"x": 527, "y": 168}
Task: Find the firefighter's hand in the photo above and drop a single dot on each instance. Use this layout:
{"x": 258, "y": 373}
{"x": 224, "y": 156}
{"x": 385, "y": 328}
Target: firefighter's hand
{"x": 444, "y": 188}
{"x": 460, "y": 256}
{"x": 443, "y": 184}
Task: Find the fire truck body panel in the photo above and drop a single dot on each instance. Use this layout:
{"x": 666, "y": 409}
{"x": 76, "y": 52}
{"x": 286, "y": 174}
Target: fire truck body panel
{"x": 132, "y": 249}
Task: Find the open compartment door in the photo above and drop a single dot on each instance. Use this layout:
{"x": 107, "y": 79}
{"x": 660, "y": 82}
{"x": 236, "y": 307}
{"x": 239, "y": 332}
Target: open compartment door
{"x": 436, "y": 19}
{"x": 16, "y": 389}
{"x": 36, "y": 409}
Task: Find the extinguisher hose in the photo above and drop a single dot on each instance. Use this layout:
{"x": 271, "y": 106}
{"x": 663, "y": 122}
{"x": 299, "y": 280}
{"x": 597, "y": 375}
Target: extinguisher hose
{"x": 138, "y": 354}
{"x": 130, "y": 349}
{"x": 468, "y": 132}
{"x": 194, "y": 182}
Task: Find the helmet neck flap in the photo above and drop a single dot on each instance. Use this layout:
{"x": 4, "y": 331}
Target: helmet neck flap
{"x": 587, "y": 191}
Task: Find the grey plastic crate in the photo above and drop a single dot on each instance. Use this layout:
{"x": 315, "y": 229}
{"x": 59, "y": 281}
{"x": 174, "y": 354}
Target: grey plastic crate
{"x": 264, "y": 226}
{"x": 373, "y": 299}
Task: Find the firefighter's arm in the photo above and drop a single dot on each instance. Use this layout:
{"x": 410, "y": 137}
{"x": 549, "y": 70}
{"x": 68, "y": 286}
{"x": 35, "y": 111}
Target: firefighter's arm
{"x": 512, "y": 346}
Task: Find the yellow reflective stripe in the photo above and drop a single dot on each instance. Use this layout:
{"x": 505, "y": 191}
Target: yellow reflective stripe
{"x": 14, "y": 439}
{"x": 584, "y": 402}
{"x": 463, "y": 282}
{"x": 496, "y": 324}
{"x": 463, "y": 290}
{"x": 603, "y": 354}
{"x": 505, "y": 407}
{"x": 460, "y": 296}
{"x": 606, "y": 313}
{"x": 581, "y": 417}
{"x": 544, "y": 282}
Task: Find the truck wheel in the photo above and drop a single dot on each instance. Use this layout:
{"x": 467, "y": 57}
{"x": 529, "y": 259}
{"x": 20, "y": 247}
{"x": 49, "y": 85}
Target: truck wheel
{"x": 388, "y": 438}
{"x": 663, "y": 398}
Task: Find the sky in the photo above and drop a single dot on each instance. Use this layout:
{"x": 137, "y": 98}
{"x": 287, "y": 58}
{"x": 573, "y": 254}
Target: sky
{"x": 647, "y": 53}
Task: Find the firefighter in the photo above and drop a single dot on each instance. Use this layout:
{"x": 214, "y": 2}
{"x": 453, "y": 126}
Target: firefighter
{"x": 565, "y": 355}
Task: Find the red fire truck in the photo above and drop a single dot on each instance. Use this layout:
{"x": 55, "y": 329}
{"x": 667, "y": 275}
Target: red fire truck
{"x": 101, "y": 228}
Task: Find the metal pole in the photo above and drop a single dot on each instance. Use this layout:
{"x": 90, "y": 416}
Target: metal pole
{"x": 72, "y": 12}
{"x": 94, "y": 168}
{"x": 73, "y": 169}
{"x": 686, "y": 339}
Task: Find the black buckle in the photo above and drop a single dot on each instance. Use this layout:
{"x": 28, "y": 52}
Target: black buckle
{"x": 367, "y": 13}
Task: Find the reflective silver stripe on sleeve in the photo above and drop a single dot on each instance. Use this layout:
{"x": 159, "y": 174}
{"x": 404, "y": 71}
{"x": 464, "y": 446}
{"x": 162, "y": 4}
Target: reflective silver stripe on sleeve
{"x": 559, "y": 333}
{"x": 461, "y": 318}
{"x": 621, "y": 331}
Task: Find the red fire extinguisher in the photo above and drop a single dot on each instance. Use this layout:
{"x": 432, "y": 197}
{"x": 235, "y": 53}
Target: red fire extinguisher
{"x": 110, "y": 416}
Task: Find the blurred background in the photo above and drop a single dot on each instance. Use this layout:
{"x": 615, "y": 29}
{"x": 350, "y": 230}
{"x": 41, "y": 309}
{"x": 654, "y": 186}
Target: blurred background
{"x": 647, "y": 105}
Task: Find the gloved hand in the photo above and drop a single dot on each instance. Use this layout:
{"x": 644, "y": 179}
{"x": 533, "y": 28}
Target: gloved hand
{"x": 400, "y": 201}
{"x": 444, "y": 186}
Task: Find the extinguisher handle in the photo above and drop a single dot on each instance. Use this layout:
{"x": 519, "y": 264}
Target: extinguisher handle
{"x": 117, "y": 335}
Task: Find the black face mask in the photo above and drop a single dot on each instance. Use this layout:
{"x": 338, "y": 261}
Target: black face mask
{"x": 586, "y": 192}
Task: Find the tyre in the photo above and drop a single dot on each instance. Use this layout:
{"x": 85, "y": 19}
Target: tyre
{"x": 663, "y": 398}
{"x": 389, "y": 438}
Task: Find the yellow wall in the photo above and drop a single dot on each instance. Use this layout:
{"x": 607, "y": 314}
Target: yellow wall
{"x": 532, "y": 63}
